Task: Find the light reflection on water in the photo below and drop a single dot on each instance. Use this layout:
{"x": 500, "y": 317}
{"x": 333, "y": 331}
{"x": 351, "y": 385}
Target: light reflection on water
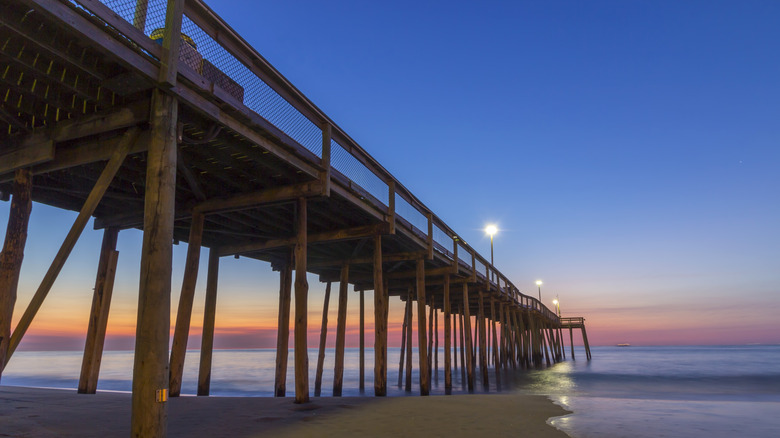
{"x": 634, "y": 392}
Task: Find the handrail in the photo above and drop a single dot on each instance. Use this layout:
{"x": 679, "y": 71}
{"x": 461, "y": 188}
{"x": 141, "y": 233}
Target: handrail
{"x": 227, "y": 40}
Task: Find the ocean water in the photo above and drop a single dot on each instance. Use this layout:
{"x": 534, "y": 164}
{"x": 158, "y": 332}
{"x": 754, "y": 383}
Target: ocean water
{"x": 700, "y": 391}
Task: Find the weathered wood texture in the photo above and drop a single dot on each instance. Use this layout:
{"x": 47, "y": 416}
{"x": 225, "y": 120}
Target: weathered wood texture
{"x": 150, "y": 370}
{"x": 209, "y": 318}
{"x": 323, "y": 339}
{"x": 421, "y": 335}
{"x": 341, "y": 332}
{"x": 184, "y": 313}
{"x": 12, "y": 256}
{"x": 380, "y": 323}
{"x": 98, "y": 316}
{"x": 283, "y": 329}
{"x": 301, "y": 307}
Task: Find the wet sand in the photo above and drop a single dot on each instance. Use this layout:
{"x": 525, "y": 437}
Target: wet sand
{"x": 32, "y": 412}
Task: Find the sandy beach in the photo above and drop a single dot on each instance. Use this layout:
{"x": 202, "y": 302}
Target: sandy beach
{"x": 33, "y": 412}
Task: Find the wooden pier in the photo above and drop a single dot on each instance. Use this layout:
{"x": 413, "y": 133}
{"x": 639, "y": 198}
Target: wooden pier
{"x": 156, "y": 115}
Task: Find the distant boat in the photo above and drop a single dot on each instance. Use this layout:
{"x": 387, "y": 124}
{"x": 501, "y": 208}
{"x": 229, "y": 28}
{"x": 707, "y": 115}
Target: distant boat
{"x": 623, "y": 345}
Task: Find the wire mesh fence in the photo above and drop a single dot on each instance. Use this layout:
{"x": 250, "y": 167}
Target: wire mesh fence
{"x": 202, "y": 53}
{"x": 411, "y": 214}
{"x": 353, "y": 169}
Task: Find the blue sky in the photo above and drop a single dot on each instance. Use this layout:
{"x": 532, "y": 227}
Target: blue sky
{"x": 628, "y": 150}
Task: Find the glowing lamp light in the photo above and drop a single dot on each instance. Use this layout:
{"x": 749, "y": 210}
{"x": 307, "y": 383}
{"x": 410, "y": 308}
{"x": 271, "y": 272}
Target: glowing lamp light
{"x": 538, "y": 282}
{"x": 491, "y": 230}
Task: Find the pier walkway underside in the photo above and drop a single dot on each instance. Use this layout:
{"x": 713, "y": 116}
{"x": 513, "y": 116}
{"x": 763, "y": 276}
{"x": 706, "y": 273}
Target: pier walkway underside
{"x": 199, "y": 139}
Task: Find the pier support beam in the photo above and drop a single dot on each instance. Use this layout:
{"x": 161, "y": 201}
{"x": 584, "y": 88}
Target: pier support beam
{"x": 323, "y": 339}
{"x": 404, "y": 328}
{"x": 209, "y": 317}
{"x": 421, "y": 335}
{"x": 447, "y": 337}
{"x": 12, "y": 255}
{"x": 409, "y": 329}
{"x": 380, "y": 323}
{"x": 362, "y": 377}
{"x": 483, "y": 363}
{"x": 184, "y": 314}
{"x": 301, "y": 307}
{"x": 341, "y": 331}
{"x": 150, "y": 370}
{"x": 98, "y": 317}
{"x": 283, "y": 328}
{"x": 466, "y": 326}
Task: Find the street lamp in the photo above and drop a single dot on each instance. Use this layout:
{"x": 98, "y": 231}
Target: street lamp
{"x": 539, "y": 284}
{"x": 491, "y": 230}
{"x": 557, "y": 305}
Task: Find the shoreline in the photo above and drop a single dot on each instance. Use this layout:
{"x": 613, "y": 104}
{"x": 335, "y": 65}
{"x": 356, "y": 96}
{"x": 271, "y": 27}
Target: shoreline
{"x": 37, "y": 412}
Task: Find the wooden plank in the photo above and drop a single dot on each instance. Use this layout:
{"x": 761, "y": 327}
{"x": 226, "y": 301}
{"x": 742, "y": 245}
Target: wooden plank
{"x": 70, "y": 240}
{"x": 150, "y": 369}
{"x": 421, "y": 335}
{"x": 301, "y": 306}
{"x": 255, "y": 199}
{"x": 27, "y": 156}
{"x": 98, "y": 317}
{"x": 12, "y": 255}
{"x": 341, "y": 331}
{"x": 186, "y": 298}
{"x": 323, "y": 339}
{"x": 209, "y": 317}
{"x": 85, "y": 152}
{"x": 329, "y": 236}
{"x": 283, "y": 328}
{"x": 380, "y": 323}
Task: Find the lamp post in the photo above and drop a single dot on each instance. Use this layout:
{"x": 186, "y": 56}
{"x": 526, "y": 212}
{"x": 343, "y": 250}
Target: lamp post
{"x": 557, "y": 306}
{"x": 491, "y": 230}
{"x": 539, "y": 284}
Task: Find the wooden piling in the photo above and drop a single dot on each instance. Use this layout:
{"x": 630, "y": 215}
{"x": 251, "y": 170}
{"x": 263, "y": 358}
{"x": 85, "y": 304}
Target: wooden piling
{"x": 341, "y": 331}
{"x": 12, "y": 255}
{"x": 98, "y": 317}
{"x": 380, "y": 323}
{"x": 483, "y": 365}
{"x": 209, "y": 318}
{"x": 585, "y": 341}
{"x": 430, "y": 338}
{"x": 571, "y": 341}
{"x": 467, "y": 329}
{"x": 301, "y": 307}
{"x": 362, "y": 373}
{"x": 435, "y": 344}
{"x": 496, "y": 362}
{"x": 150, "y": 370}
{"x": 421, "y": 341}
{"x": 403, "y": 342}
{"x": 410, "y": 328}
{"x": 184, "y": 313}
{"x": 323, "y": 340}
{"x": 447, "y": 337}
{"x": 283, "y": 328}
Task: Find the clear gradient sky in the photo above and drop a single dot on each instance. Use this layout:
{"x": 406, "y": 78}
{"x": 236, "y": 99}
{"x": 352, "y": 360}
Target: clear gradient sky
{"x": 629, "y": 152}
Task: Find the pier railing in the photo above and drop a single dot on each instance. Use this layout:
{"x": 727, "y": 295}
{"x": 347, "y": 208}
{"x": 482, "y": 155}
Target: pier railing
{"x": 227, "y": 71}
